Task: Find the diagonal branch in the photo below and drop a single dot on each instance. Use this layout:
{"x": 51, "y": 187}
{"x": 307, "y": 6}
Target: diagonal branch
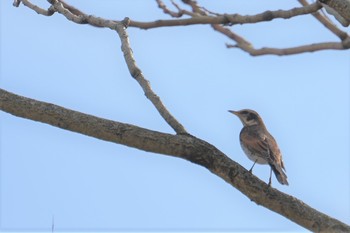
{"x": 326, "y": 22}
{"x": 134, "y": 70}
{"x": 182, "y": 146}
{"x": 138, "y": 76}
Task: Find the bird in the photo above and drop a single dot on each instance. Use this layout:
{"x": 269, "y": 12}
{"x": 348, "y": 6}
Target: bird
{"x": 259, "y": 145}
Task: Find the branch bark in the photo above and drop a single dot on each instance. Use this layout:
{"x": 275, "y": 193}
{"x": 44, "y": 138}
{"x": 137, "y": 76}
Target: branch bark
{"x": 231, "y": 19}
{"x": 200, "y": 16}
{"x": 139, "y": 77}
{"x": 181, "y": 145}
{"x": 326, "y": 22}
{"x": 245, "y": 45}
{"x": 186, "y": 147}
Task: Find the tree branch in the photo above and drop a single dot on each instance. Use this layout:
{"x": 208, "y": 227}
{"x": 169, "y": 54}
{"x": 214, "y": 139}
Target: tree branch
{"x": 327, "y": 23}
{"x": 35, "y": 8}
{"x": 134, "y": 70}
{"x": 231, "y": 19}
{"x": 182, "y": 146}
{"x": 138, "y": 76}
{"x": 290, "y": 51}
{"x": 246, "y": 46}
{"x": 199, "y": 16}
{"x": 340, "y": 9}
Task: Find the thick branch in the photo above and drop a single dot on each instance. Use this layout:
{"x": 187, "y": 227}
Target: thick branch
{"x": 183, "y": 146}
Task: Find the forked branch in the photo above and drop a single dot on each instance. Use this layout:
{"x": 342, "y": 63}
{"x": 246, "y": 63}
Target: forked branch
{"x": 119, "y": 26}
{"x": 181, "y": 145}
{"x": 219, "y": 25}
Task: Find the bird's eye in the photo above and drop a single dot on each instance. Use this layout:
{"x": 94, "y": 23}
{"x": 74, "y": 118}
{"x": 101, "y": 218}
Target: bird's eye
{"x": 252, "y": 116}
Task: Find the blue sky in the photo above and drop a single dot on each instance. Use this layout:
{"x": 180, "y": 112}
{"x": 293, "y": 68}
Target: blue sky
{"x": 88, "y": 184}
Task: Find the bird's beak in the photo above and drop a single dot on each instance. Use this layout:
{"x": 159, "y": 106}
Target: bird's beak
{"x": 233, "y": 112}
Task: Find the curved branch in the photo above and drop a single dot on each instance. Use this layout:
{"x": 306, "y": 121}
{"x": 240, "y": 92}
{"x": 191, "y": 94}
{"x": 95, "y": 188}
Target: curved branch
{"x": 182, "y": 146}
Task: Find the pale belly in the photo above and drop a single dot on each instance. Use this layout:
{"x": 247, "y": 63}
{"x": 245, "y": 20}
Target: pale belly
{"x": 252, "y": 156}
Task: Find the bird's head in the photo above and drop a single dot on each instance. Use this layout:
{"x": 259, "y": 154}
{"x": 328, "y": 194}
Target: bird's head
{"x": 248, "y": 117}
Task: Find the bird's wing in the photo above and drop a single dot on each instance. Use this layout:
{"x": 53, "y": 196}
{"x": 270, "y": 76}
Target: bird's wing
{"x": 256, "y": 143}
{"x": 264, "y": 146}
{"x": 274, "y": 152}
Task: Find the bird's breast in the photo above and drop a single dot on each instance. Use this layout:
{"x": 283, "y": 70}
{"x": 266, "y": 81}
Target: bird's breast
{"x": 249, "y": 139}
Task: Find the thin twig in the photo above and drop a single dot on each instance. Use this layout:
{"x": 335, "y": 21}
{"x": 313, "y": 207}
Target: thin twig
{"x": 166, "y": 10}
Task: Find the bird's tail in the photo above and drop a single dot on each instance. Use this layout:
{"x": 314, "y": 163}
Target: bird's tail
{"x": 279, "y": 173}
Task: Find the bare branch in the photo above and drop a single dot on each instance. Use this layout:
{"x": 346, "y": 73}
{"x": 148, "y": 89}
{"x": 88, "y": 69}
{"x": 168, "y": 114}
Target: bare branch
{"x": 138, "y": 76}
{"x": 247, "y": 46}
{"x": 182, "y": 146}
{"x": 174, "y": 14}
{"x": 37, "y": 9}
{"x": 291, "y": 51}
{"x": 129, "y": 58}
{"x": 340, "y": 9}
{"x": 231, "y": 19}
{"x": 327, "y": 23}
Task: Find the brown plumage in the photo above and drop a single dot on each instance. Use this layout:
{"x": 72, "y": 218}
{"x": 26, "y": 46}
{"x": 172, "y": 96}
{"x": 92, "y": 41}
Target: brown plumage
{"x": 259, "y": 145}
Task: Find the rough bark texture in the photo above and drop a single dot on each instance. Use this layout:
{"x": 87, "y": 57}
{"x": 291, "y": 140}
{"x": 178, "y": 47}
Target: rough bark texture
{"x": 183, "y": 146}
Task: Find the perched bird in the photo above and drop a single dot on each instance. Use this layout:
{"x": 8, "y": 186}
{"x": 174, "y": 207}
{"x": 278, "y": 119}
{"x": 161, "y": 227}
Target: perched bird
{"x": 259, "y": 145}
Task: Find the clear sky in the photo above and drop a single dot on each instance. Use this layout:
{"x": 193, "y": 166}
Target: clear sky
{"x": 88, "y": 184}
